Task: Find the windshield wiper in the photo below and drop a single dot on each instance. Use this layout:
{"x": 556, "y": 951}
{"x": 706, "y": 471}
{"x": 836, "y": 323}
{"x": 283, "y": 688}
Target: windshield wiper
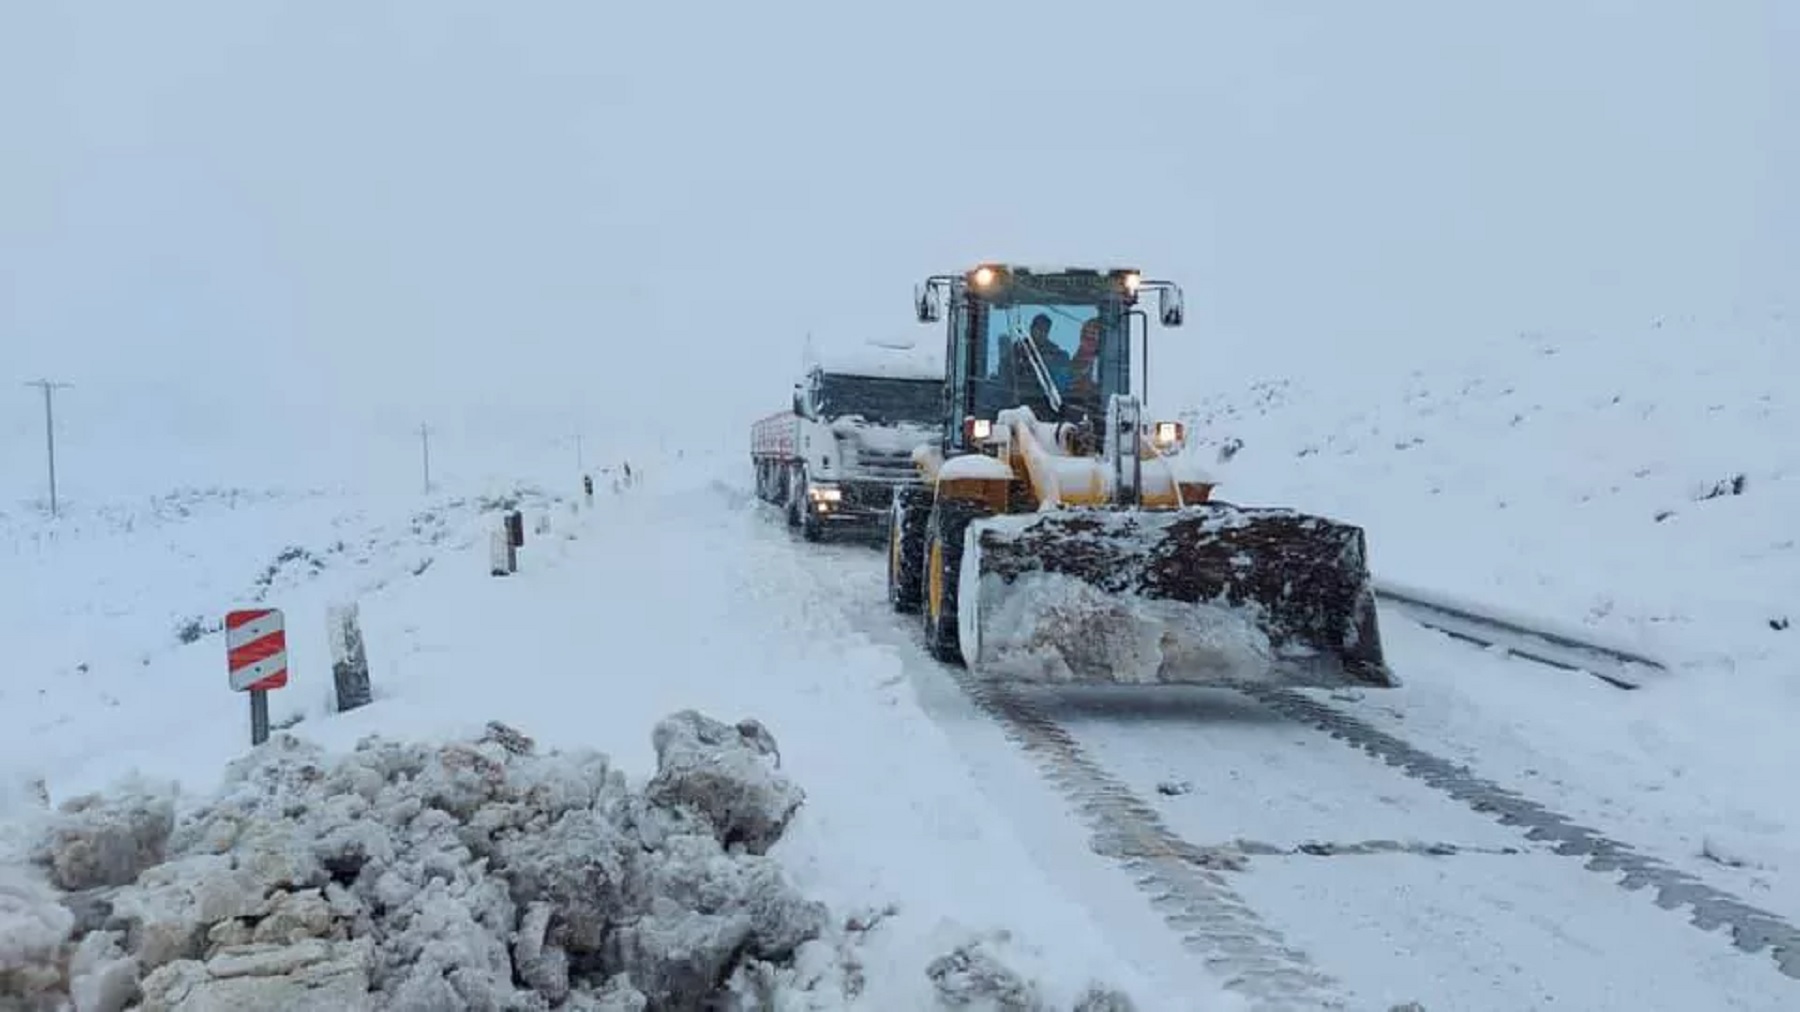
{"x": 1041, "y": 371}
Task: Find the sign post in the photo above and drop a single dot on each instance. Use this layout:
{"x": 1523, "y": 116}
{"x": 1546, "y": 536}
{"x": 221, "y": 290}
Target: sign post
{"x": 256, "y": 661}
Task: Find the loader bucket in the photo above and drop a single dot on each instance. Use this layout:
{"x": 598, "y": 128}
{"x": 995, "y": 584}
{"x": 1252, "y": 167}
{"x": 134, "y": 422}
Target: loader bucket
{"x": 1211, "y": 594}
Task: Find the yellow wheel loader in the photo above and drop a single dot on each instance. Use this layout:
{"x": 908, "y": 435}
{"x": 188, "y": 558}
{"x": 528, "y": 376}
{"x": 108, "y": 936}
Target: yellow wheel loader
{"x": 1057, "y": 537}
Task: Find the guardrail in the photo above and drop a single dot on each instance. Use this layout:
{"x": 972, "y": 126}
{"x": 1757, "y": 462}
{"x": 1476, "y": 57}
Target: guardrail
{"x": 1527, "y": 636}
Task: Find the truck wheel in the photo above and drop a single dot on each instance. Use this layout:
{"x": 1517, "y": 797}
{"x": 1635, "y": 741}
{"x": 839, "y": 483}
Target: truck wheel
{"x": 907, "y": 519}
{"x": 796, "y": 491}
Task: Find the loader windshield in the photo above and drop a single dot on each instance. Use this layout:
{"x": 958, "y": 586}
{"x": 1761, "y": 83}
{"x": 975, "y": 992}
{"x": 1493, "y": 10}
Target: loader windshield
{"x": 881, "y": 400}
{"x": 1061, "y": 359}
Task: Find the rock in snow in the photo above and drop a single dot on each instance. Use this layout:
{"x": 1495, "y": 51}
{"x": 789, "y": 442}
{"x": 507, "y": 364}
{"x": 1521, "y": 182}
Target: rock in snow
{"x": 462, "y": 875}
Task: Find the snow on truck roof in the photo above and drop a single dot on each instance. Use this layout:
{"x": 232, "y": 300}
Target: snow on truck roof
{"x": 1061, "y": 268}
{"x": 885, "y": 361}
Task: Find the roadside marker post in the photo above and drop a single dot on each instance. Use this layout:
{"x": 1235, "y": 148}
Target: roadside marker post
{"x": 256, "y": 661}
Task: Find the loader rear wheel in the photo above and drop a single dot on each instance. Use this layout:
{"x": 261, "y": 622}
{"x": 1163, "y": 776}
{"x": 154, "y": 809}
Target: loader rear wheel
{"x": 907, "y": 519}
{"x": 950, "y": 518}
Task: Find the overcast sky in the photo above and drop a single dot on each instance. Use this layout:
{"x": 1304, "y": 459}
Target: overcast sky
{"x": 594, "y": 208}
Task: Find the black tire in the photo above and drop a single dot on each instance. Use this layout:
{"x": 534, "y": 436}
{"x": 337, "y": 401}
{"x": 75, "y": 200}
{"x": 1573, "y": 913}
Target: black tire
{"x": 907, "y": 518}
{"x": 942, "y": 566}
{"x": 796, "y": 491}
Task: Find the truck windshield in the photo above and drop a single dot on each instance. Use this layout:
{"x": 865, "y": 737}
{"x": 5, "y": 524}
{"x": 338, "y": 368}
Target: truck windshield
{"x": 881, "y": 400}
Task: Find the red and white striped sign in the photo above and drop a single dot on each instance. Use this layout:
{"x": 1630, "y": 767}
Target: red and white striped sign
{"x": 256, "y": 649}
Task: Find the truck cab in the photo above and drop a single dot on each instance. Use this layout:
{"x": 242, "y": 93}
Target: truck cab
{"x": 859, "y": 420}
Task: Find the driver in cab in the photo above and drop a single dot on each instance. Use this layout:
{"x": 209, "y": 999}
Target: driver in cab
{"x": 1023, "y": 378}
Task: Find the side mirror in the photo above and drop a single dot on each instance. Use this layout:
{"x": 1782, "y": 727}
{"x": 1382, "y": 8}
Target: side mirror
{"x": 925, "y": 303}
{"x": 799, "y": 402}
{"x": 1169, "y": 306}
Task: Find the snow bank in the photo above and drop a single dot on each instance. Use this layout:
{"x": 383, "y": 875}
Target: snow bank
{"x": 465, "y": 874}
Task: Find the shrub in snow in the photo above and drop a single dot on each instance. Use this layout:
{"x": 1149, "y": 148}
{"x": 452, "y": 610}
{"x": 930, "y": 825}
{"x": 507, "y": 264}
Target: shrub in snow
{"x": 473, "y": 874}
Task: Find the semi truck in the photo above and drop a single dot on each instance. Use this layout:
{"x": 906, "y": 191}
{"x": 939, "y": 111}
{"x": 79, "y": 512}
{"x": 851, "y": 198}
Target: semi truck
{"x": 831, "y": 461}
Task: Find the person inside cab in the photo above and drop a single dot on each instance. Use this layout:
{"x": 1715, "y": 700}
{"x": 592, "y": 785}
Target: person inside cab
{"x": 1022, "y": 379}
{"x": 1084, "y": 373}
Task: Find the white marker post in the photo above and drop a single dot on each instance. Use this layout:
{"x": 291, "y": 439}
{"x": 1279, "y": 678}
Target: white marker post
{"x": 256, "y": 659}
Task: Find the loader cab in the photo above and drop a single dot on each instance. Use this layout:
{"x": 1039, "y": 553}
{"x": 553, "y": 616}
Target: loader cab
{"x": 1056, "y": 341}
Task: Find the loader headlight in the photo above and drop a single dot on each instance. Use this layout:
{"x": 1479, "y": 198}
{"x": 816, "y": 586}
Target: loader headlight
{"x": 824, "y": 493}
{"x": 1167, "y": 434}
{"x": 978, "y": 430}
{"x": 983, "y": 277}
{"x": 1132, "y": 281}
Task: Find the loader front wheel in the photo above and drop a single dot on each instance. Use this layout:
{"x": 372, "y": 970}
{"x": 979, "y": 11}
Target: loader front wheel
{"x": 950, "y": 518}
{"x": 907, "y": 520}
{"x": 939, "y": 604}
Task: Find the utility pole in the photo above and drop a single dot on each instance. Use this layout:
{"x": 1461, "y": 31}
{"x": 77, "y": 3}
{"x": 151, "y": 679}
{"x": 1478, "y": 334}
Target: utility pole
{"x": 425, "y": 451}
{"x": 580, "y": 464}
{"x": 49, "y": 386}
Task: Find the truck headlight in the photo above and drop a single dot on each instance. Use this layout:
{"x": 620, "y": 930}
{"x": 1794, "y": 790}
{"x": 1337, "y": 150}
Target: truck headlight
{"x": 824, "y": 493}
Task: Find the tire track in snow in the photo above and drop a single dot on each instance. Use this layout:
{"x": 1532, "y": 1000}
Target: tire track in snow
{"x": 1752, "y": 929}
{"x": 1184, "y": 882}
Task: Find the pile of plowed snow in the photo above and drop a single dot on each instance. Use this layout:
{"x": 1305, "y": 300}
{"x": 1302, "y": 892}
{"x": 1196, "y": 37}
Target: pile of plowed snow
{"x": 467, "y": 874}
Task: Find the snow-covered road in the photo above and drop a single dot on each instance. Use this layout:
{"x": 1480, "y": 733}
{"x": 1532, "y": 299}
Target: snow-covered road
{"x": 1397, "y": 889}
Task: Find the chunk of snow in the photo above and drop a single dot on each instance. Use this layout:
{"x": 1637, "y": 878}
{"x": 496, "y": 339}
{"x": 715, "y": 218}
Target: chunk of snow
{"x": 975, "y": 465}
{"x": 98, "y": 841}
{"x": 33, "y": 925}
{"x": 723, "y": 773}
{"x": 1047, "y": 627}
